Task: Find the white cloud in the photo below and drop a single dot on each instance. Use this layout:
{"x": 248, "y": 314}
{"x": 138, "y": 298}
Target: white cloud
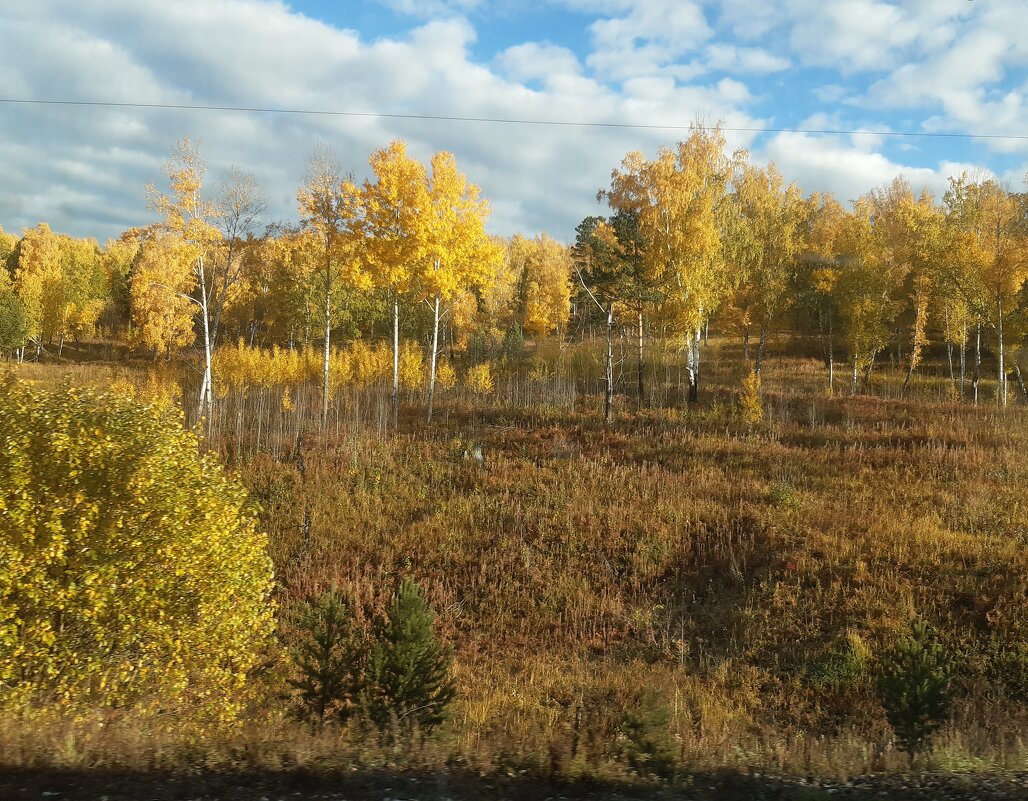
{"x": 870, "y": 35}
{"x": 652, "y": 62}
{"x": 966, "y": 83}
{"x": 540, "y": 61}
{"x": 431, "y": 8}
{"x": 84, "y": 169}
{"x": 848, "y": 170}
{"x": 649, "y": 35}
{"x": 731, "y": 58}
{"x": 748, "y": 20}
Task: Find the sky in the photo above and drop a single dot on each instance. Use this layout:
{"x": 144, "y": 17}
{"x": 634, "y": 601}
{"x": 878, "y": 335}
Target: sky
{"x": 906, "y": 66}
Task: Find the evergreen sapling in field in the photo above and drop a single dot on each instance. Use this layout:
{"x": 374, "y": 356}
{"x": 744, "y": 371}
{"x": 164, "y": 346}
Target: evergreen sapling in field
{"x": 328, "y": 659}
{"x": 407, "y": 678}
{"x": 915, "y": 688}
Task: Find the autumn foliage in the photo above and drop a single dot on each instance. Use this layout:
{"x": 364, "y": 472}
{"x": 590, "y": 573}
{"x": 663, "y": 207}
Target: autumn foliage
{"x": 132, "y": 573}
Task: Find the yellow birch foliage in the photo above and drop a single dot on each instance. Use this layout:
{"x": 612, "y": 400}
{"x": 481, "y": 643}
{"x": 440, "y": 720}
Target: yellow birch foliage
{"x": 458, "y": 254}
{"x": 770, "y": 215}
{"x": 369, "y": 364}
{"x": 497, "y": 298}
{"x": 162, "y": 313}
{"x": 545, "y": 284}
{"x": 412, "y": 366}
{"x": 357, "y": 365}
{"x": 392, "y": 208}
{"x": 750, "y": 407}
{"x": 678, "y": 199}
{"x": 479, "y": 378}
{"x": 445, "y": 375}
{"x": 61, "y": 284}
{"x": 131, "y": 570}
{"x": 993, "y": 262}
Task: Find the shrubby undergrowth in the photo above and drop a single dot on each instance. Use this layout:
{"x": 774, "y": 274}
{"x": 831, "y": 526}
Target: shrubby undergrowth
{"x": 133, "y": 576}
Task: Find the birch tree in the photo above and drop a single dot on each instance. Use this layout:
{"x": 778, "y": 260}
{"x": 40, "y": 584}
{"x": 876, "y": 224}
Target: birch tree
{"x": 331, "y": 207}
{"x": 239, "y": 204}
{"x": 864, "y": 289}
{"x": 607, "y": 262}
{"x": 988, "y": 220}
{"x": 680, "y": 202}
{"x": 770, "y": 215}
{"x": 544, "y": 284}
{"x": 160, "y": 292}
{"x": 61, "y": 283}
{"x": 394, "y": 205}
{"x": 188, "y": 215}
{"x": 923, "y": 248}
{"x": 457, "y": 252}
{"x": 818, "y": 271}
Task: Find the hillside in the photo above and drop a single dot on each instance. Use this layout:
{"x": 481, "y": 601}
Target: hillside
{"x": 732, "y": 584}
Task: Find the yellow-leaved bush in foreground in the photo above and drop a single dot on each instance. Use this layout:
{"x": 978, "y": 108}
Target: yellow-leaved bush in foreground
{"x": 132, "y": 574}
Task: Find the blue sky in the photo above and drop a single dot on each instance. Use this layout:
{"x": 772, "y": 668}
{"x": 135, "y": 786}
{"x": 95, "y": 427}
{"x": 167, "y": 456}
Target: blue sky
{"x": 923, "y": 66}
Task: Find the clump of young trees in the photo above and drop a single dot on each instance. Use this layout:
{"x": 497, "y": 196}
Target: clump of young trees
{"x": 698, "y": 234}
{"x": 393, "y": 673}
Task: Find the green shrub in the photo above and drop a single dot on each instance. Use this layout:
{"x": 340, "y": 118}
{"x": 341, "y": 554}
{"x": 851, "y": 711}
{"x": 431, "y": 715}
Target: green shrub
{"x": 407, "y": 679}
{"x": 131, "y": 571}
{"x": 13, "y": 327}
{"x": 843, "y": 664}
{"x": 649, "y": 749}
{"x": 915, "y": 688}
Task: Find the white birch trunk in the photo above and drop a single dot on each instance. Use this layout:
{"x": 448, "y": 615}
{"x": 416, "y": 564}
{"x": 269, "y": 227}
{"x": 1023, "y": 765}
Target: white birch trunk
{"x": 435, "y": 354}
{"x": 207, "y": 386}
{"x": 608, "y": 392}
{"x": 396, "y": 359}
{"x": 1001, "y": 389}
{"x": 328, "y": 334}
{"x": 977, "y": 362}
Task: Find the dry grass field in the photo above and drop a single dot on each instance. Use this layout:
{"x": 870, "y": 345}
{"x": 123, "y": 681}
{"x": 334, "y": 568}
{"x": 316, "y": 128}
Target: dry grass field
{"x": 730, "y": 585}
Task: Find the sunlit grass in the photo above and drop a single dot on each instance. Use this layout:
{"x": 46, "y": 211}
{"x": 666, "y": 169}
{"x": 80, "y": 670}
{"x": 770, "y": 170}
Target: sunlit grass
{"x": 749, "y": 574}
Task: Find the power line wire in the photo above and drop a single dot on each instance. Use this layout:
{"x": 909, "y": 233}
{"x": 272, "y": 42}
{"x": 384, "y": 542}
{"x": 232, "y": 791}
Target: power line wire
{"x": 500, "y": 120}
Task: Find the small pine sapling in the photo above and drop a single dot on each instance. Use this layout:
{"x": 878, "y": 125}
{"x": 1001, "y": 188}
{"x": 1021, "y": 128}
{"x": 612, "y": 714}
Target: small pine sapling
{"x": 408, "y": 672}
{"x": 649, "y": 749}
{"x": 915, "y": 688}
{"x": 327, "y": 658}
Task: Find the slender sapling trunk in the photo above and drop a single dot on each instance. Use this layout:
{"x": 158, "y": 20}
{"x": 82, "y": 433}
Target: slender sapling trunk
{"x": 328, "y": 333}
{"x": 642, "y": 388}
{"x": 396, "y": 359}
{"x": 977, "y": 362}
{"x": 1001, "y": 389}
{"x": 435, "y": 354}
{"x": 608, "y": 393}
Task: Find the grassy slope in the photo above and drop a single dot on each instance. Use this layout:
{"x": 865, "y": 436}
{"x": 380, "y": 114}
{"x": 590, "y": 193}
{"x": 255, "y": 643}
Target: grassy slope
{"x": 748, "y": 577}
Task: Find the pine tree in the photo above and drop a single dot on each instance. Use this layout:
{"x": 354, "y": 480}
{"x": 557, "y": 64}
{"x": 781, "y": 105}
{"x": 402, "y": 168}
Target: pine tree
{"x": 328, "y": 659}
{"x": 915, "y": 687}
{"x": 407, "y": 678}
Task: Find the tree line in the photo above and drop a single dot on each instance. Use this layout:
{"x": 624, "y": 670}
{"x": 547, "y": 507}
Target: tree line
{"x": 695, "y": 236}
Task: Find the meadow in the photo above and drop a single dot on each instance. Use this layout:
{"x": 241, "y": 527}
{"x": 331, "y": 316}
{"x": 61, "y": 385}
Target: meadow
{"x": 677, "y": 583}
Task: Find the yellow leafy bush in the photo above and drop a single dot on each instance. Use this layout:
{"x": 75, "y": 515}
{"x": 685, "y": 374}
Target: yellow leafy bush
{"x": 479, "y": 378}
{"x": 412, "y": 366}
{"x": 750, "y": 408}
{"x": 368, "y": 364}
{"x": 445, "y": 375}
{"x": 131, "y": 571}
